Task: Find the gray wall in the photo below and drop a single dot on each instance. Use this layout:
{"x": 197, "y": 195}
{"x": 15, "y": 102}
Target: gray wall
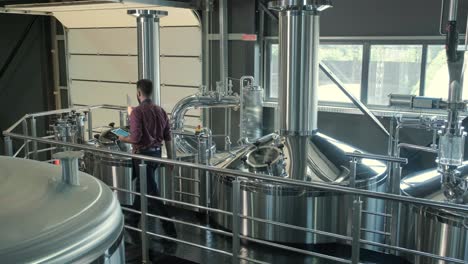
{"x": 23, "y": 86}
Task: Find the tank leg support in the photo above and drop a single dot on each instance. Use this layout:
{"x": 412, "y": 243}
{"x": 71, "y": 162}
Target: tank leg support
{"x": 356, "y": 230}
{"x": 144, "y": 212}
{"x": 235, "y": 221}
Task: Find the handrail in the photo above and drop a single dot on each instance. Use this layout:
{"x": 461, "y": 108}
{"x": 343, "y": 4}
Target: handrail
{"x": 248, "y": 175}
{"x": 377, "y": 157}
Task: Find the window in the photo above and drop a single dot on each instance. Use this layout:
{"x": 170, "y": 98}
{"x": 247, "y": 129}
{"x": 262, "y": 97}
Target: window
{"x": 393, "y": 69}
{"x": 387, "y": 67}
{"x": 344, "y": 60}
{"x": 437, "y": 76}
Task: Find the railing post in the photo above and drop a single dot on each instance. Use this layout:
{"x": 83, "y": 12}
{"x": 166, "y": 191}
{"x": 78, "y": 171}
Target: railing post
{"x": 356, "y": 215}
{"x": 8, "y": 146}
{"x": 144, "y": 211}
{"x": 34, "y": 134}
{"x": 235, "y": 221}
{"x": 90, "y": 125}
{"x": 356, "y": 230}
{"x": 396, "y": 206}
{"x": 26, "y": 142}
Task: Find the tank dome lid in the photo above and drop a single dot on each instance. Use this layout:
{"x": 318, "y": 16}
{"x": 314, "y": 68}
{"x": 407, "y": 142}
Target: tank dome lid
{"x": 44, "y": 220}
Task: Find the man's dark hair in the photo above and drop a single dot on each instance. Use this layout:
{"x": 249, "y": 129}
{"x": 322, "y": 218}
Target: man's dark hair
{"x": 145, "y": 86}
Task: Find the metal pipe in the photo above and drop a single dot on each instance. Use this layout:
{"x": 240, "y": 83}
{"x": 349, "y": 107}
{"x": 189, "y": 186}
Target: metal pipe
{"x": 235, "y": 220}
{"x": 453, "y": 10}
{"x": 200, "y": 101}
{"x": 148, "y": 48}
{"x": 70, "y": 167}
{"x": 309, "y": 230}
{"x": 90, "y": 124}
{"x": 8, "y": 146}
{"x": 364, "y": 109}
{"x": 377, "y": 157}
{"x": 248, "y": 175}
{"x": 223, "y": 45}
{"x": 298, "y": 77}
{"x": 123, "y": 118}
{"x": 416, "y": 147}
{"x": 33, "y": 134}
{"x": 144, "y": 212}
{"x": 206, "y": 56}
{"x": 26, "y": 142}
{"x": 356, "y": 230}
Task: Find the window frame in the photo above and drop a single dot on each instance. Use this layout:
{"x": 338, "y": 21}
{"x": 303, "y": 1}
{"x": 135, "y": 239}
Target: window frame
{"x": 367, "y": 43}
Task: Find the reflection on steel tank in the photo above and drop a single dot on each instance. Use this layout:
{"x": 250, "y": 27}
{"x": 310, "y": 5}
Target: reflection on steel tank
{"x": 437, "y": 231}
{"x": 47, "y": 218}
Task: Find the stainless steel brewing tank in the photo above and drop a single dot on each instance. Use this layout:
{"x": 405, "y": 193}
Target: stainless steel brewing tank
{"x": 115, "y": 171}
{"x": 319, "y": 210}
{"x": 441, "y": 232}
{"x": 43, "y": 220}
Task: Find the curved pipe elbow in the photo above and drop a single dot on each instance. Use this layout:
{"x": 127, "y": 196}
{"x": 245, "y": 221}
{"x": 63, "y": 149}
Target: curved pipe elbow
{"x": 200, "y": 101}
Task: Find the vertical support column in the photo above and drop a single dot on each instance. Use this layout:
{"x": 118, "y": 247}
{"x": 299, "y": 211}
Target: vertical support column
{"x": 26, "y": 142}
{"x": 123, "y": 118}
{"x": 148, "y": 47}
{"x": 90, "y": 125}
{"x": 299, "y": 28}
{"x": 8, "y": 146}
{"x": 396, "y": 206}
{"x": 356, "y": 230}
{"x": 206, "y": 57}
{"x": 235, "y": 221}
{"x": 144, "y": 212}
{"x": 34, "y": 134}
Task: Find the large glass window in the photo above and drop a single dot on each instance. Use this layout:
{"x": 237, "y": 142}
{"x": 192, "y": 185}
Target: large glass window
{"x": 345, "y": 61}
{"x": 437, "y": 76}
{"x": 393, "y": 69}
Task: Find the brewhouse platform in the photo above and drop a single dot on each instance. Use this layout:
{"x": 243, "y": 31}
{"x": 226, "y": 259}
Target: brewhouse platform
{"x": 167, "y": 252}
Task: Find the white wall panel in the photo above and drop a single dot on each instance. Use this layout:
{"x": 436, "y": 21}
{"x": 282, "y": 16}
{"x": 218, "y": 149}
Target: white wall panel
{"x": 118, "y": 17}
{"x": 182, "y": 71}
{"x": 103, "y": 41}
{"x": 92, "y": 38}
{"x": 181, "y": 41}
{"x": 185, "y": 41}
{"x": 104, "y": 68}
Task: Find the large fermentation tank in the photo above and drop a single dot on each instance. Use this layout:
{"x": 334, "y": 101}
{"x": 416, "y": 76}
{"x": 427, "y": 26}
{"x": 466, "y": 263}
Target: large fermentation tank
{"x": 437, "y": 231}
{"x": 45, "y": 220}
{"x": 113, "y": 170}
{"x": 327, "y": 163}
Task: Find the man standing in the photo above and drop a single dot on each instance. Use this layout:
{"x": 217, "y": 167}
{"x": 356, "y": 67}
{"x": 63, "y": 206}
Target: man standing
{"x": 149, "y": 128}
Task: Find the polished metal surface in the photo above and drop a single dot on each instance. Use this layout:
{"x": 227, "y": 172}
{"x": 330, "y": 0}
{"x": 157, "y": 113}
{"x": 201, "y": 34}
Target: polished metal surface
{"x": 113, "y": 170}
{"x": 437, "y": 231}
{"x": 251, "y": 123}
{"x": 211, "y": 100}
{"x": 298, "y": 72}
{"x": 148, "y": 48}
{"x": 316, "y": 5}
{"x": 326, "y": 163}
{"x": 54, "y": 222}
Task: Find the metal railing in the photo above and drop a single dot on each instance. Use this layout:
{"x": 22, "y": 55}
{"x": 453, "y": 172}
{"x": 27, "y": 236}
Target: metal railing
{"x": 236, "y": 235}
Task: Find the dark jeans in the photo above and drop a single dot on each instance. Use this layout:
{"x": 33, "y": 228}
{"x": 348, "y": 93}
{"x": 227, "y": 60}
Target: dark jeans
{"x": 155, "y": 207}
